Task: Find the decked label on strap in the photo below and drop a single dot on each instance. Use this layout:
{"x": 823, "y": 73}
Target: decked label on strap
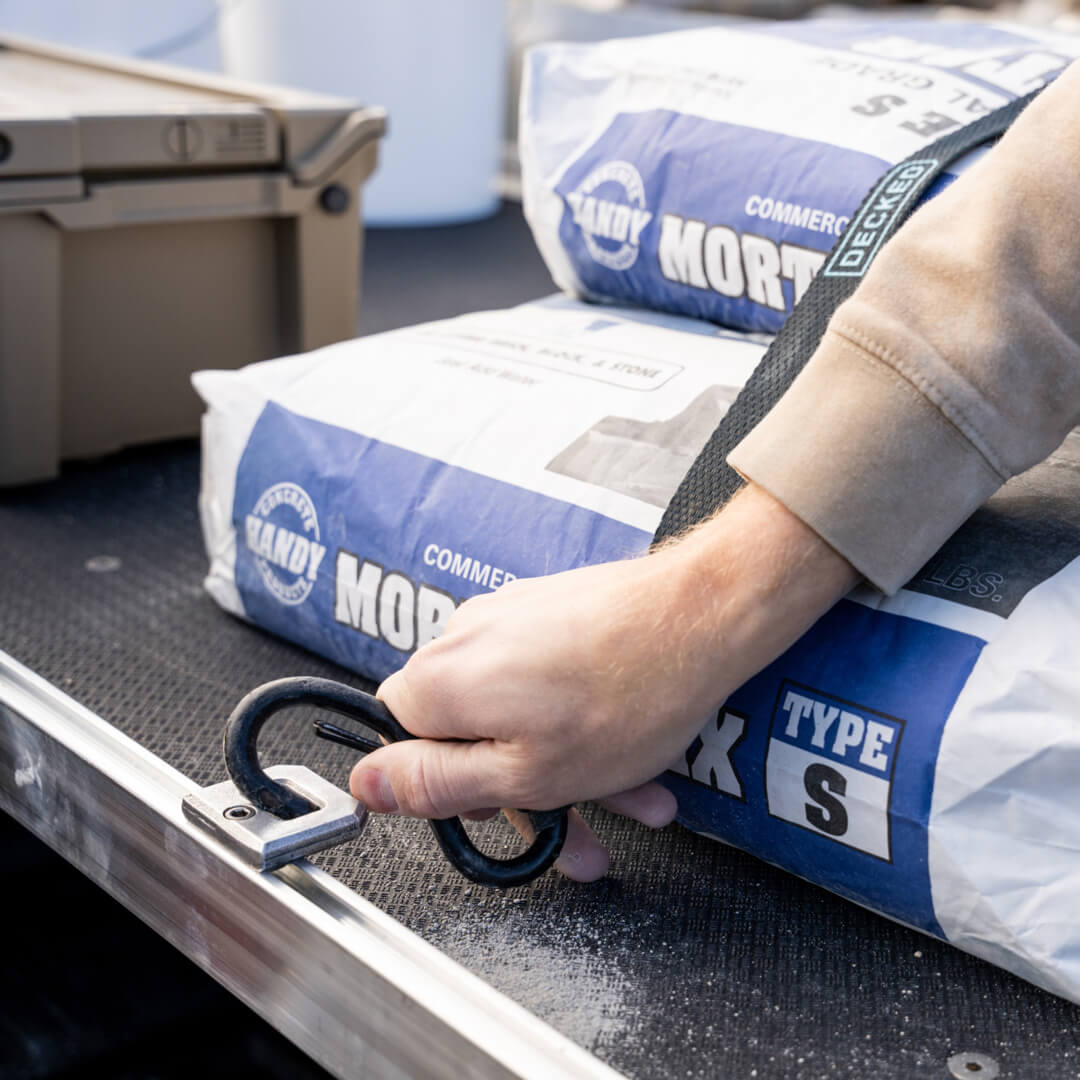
{"x": 877, "y": 219}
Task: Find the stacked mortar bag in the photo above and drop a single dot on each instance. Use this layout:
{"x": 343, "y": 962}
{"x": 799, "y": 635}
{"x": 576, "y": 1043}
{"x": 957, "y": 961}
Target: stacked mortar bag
{"x": 917, "y": 754}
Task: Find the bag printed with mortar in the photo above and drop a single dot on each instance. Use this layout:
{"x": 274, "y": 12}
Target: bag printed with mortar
{"x": 918, "y": 754}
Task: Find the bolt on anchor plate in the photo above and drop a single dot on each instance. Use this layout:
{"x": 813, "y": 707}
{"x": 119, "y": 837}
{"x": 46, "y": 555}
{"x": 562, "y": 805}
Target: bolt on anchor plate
{"x": 970, "y": 1065}
{"x": 268, "y": 842}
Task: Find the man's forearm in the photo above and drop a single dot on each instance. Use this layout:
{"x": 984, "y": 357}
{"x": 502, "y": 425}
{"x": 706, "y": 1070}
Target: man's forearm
{"x": 757, "y": 577}
{"x": 954, "y": 366}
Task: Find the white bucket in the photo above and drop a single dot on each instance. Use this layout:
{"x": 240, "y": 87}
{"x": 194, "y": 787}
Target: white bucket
{"x": 175, "y": 31}
{"x": 438, "y": 66}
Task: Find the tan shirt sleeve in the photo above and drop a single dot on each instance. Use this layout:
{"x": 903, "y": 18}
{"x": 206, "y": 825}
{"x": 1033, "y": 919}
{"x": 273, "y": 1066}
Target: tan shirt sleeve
{"x": 954, "y": 366}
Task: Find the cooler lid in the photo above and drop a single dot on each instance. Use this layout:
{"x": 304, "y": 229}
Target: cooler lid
{"x": 69, "y": 112}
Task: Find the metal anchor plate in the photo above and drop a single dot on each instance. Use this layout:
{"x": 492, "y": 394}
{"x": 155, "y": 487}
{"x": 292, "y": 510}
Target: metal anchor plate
{"x": 268, "y": 842}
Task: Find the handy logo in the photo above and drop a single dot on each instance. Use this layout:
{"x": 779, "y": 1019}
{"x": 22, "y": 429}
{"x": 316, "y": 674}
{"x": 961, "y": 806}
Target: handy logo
{"x": 282, "y": 533}
{"x": 609, "y": 208}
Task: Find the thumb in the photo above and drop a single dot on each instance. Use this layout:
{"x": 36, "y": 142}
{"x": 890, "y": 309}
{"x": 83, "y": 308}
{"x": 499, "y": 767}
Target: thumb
{"x": 428, "y": 778}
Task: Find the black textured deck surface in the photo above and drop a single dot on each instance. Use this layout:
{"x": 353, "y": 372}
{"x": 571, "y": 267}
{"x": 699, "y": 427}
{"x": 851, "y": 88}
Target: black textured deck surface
{"x": 690, "y": 960}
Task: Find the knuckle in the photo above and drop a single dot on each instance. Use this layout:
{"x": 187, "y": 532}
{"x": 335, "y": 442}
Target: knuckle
{"x": 521, "y": 781}
{"x": 467, "y": 612}
{"x": 511, "y": 588}
{"x": 420, "y": 674}
{"x": 426, "y": 678}
{"x": 423, "y": 791}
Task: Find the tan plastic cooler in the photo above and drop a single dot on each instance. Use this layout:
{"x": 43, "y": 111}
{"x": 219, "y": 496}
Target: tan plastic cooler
{"x": 154, "y": 221}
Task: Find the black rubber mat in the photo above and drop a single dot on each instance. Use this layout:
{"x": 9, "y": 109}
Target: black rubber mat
{"x": 690, "y": 960}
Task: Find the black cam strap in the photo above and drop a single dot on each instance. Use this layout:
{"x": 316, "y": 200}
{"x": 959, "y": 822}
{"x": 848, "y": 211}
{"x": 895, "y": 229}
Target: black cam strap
{"x": 711, "y": 482}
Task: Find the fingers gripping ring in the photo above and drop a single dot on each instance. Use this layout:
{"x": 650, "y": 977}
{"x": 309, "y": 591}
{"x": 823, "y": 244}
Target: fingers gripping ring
{"x": 242, "y": 761}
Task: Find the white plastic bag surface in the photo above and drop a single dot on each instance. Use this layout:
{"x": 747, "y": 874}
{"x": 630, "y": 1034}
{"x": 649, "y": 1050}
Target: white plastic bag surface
{"x": 354, "y": 495}
{"x": 708, "y": 172}
{"x": 918, "y": 754}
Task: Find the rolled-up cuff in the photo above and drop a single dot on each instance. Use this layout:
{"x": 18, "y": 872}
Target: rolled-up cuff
{"x": 868, "y": 462}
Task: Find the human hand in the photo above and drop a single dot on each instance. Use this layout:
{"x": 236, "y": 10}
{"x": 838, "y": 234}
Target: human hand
{"x": 588, "y": 684}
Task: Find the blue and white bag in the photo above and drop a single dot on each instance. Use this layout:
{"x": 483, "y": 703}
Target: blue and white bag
{"x": 353, "y": 496}
{"x": 918, "y": 755}
{"x": 708, "y": 172}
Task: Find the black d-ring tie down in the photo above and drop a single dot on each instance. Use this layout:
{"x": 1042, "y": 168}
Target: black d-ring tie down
{"x": 242, "y": 761}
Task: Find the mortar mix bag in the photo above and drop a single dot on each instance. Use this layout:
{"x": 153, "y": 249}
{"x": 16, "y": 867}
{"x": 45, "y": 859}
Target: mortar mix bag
{"x": 708, "y": 172}
{"x": 918, "y": 755}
